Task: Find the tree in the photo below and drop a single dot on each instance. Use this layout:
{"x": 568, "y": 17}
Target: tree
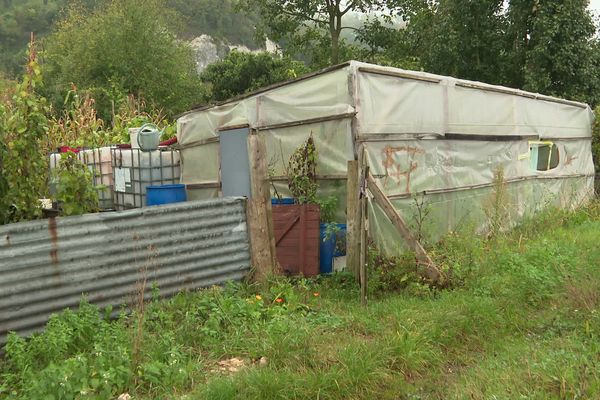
{"x": 124, "y": 47}
{"x": 553, "y": 49}
{"x": 464, "y": 38}
{"x": 17, "y": 21}
{"x": 239, "y": 73}
{"x": 298, "y": 23}
{"x": 396, "y": 42}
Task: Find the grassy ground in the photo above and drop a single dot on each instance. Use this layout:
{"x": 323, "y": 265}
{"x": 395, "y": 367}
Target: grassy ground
{"x": 519, "y": 319}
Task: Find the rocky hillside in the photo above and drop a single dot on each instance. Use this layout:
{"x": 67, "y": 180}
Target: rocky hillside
{"x": 209, "y": 49}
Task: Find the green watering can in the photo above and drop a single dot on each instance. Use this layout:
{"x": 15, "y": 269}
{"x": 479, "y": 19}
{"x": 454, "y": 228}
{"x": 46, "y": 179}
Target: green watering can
{"x": 148, "y": 137}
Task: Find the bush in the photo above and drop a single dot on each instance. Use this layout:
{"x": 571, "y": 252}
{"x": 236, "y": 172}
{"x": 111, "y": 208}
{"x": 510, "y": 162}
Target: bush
{"x": 240, "y": 73}
{"x": 75, "y": 190}
{"x": 124, "y": 47}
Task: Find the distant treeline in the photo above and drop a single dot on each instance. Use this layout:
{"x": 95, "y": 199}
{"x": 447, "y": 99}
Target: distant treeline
{"x": 18, "y": 18}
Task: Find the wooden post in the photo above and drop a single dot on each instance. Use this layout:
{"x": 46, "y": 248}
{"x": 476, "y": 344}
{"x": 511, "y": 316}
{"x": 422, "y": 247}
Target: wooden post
{"x": 431, "y": 272}
{"x": 353, "y": 224}
{"x": 364, "y": 228}
{"x": 260, "y": 216}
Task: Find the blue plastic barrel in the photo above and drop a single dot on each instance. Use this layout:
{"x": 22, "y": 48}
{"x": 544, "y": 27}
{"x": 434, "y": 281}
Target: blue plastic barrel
{"x": 165, "y": 194}
{"x": 330, "y": 247}
{"x": 326, "y": 250}
{"x": 284, "y": 200}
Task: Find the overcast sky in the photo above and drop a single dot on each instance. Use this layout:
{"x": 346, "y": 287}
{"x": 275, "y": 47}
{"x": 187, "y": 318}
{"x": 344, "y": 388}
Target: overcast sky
{"x": 595, "y": 6}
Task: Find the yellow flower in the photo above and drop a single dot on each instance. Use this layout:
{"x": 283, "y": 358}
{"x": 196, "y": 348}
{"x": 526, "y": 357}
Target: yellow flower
{"x": 258, "y": 297}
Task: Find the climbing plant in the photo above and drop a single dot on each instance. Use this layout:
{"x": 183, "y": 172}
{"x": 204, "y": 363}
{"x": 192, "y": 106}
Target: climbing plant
{"x": 301, "y": 172}
{"x": 74, "y": 190}
{"x": 23, "y": 130}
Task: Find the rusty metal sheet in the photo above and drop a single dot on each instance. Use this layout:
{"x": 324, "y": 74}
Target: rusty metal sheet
{"x": 48, "y": 265}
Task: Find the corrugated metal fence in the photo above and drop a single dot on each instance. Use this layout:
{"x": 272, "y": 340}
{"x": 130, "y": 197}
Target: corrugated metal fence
{"x": 46, "y": 265}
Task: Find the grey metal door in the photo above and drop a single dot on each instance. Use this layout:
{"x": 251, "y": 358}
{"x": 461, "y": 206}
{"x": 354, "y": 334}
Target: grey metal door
{"x": 235, "y": 165}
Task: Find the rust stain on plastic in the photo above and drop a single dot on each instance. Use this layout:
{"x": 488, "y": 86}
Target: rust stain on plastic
{"x": 393, "y": 167}
{"x": 54, "y": 240}
{"x": 570, "y": 159}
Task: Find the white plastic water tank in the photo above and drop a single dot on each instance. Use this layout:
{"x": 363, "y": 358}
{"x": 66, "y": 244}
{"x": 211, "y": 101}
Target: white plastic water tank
{"x": 134, "y": 170}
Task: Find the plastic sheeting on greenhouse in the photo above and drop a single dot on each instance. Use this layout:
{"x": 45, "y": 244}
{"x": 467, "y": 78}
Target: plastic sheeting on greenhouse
{"x": 429, "y": 139}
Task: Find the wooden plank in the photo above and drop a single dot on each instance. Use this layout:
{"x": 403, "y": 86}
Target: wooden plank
{"x": 430, "y": 271}
{"x": 307, "y": 121}
{"x": 260, "y": 217}
{"x": 294, "y": 234}
{"x": 363, "y": 253}
{"x": 330, "y": 177}
{"x": 361, "y": 162}
{"x": 364, "y": 227}
{"x": 197, "y": 143}
{"x": 301, "y": 251}
{"x": 352, "y": 224}
{"x": 403, "y": 75}
{"x": 232, "y": 127}
{"x": 204, "y": 185}
{"x": 279, "y": 234}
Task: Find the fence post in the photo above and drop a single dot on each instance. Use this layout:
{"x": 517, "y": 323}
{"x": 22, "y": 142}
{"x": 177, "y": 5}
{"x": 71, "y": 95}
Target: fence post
{"x": 364, "y": 235}
{"x": 260, "y": 216}
{"x": 353, "y": 224}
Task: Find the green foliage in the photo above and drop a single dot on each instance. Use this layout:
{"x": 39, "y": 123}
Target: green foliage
{"x": 23, "y": 130}
{"x": 385, "y": 44}
{"x": 328, "y": 207}
{"x": 308, "y": 26}
{"x": 124, "y": 47}
{"x": 131, "y": 114}
{"x": 75, "y": 192}
{"x": 79, "y": 354}
{"x": 79, "y": 125}
{"x": 498, "y": 205}
{"x": 6, "y": 88}
{"x": 18, "y": 18}
{"x": 555, "y": 50}
{"x": 464, "y": 38}
{"x": 393, "y": 274}
{"x": 240, "y": 73}
{"x": 301, "y": 172}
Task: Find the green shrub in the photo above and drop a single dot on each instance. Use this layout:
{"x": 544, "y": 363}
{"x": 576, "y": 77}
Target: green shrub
{"x": 23, "y": 166}
{"x": 75, "y": 193}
